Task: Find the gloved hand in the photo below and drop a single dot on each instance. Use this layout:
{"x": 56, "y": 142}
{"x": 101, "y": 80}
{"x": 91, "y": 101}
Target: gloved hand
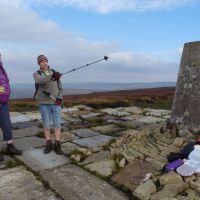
{"x": 58, "y": 102}
{"x": 2, "y": 89}
{"x": 56, "y": 76}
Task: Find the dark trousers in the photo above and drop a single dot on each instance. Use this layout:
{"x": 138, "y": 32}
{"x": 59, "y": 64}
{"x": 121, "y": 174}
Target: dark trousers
{"x": 5, "y": 123}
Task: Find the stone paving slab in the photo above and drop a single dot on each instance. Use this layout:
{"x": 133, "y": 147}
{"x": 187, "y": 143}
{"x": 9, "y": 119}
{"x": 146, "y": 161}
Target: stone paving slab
{"x": 150, "y": 119}
{"x": 22, "y": 125}
{"x": 69, "y": 110}
{"x": 157, "y": 112}
{"x": 26, "y": 132}
{"x": 65, "y": 137}
{"x": 33, "y": 115}
{"x": 70, "y": 118}
{"x": 18, "y": 183}
{"x": 83, "y": 107}
{"x": 19, "y": 117}
{"x": 134, "y": 110}
{"x": 84, "y": 132}
{"x": 115, "y": 112}
{"x": 93, "y": 142}
{"x": 107, "y": 129}
{"x": 74, "y": 183}
{"x": 90, "y": 115}
{"x": 26, "y": 143}
{"x": 37, "y": 160}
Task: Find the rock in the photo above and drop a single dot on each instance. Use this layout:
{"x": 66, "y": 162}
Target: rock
{"x": 145, "y": 190}
{"x": 192, "y": 194}
{"x": 170, "y": 177}
{"x": 187, "y": 179}
{"x": 37, "y": 160}
{"x": 178, "y": 142}
{"x": 87, "y": 153}
{"x": 133, "y": 174}
{"x": 157, "y": 163}
{"x": 103, "y": 168}
{"x": 169, "y": 191}
{"x": 77, "y": 157}
{"x": 195, "y": 186}
{"x": 122, "y": 162}
{"x": 68, "y": 147}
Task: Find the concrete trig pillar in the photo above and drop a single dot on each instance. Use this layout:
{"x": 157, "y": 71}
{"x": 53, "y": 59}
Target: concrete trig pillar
{"x": 186, "y": 103}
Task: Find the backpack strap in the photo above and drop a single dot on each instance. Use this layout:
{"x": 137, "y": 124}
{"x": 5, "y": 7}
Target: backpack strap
{"x": 36, "y": 85}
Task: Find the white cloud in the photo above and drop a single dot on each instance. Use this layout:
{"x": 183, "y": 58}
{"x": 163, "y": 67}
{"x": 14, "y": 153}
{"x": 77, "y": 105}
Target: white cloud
{"x": 107, "y": 6}
{"x": 24, "y": 35}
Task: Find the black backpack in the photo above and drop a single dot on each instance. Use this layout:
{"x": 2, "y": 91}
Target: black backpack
{"x": 37, "y": 85}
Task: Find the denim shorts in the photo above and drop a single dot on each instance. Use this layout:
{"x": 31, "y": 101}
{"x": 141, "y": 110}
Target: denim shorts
{"x": 50, "y": 112}
{"x": 5, "y": 123}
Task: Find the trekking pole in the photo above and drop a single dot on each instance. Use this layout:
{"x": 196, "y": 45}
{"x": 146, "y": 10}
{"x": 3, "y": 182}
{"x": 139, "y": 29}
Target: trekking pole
{"x": 48, "y": 94}
{"x": 51, "y": 97}
{"x": 105, "y": 58}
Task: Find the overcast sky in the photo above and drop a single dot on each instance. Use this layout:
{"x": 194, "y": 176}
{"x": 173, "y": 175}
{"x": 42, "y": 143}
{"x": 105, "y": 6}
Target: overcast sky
{"x": 143, "y": 38}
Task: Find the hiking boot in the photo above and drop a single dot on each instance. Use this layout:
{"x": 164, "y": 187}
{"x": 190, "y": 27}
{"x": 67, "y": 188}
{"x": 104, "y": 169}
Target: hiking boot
{"x": 57, "y": 148}
{"x": 48, "y": 147}
{"x": 1, "y": 158}
{"x": 12, "y": 150}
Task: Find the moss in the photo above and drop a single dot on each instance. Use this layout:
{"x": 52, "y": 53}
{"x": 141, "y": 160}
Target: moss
{"x": 40, "y": 125}
{"x": 107, "y": 145}
{"x": 11, "y": 164}
{"x": 40, "y": 134}
{"x": 157, "y": 104}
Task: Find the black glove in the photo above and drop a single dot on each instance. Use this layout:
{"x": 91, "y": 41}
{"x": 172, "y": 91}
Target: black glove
{"x": 56, "y": 76}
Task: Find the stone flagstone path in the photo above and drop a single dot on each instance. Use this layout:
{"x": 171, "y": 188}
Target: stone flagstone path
{"x": 109, "y": 155}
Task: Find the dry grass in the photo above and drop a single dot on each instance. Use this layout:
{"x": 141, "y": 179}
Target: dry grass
{"x": 153, "y": 98}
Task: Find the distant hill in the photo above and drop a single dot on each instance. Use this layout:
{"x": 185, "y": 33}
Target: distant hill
{"x": 27, "y": 90}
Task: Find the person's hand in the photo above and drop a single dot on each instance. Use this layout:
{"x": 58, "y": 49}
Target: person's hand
{"x": 2, "y": 89}
{"x": 58, "y": 102}
{"x": 56, "y": 76}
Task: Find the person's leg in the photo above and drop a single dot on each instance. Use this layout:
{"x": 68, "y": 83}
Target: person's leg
{"x": 6, "y": 127}
{"x": 56, "y": 117}
{"x": 45, "y": 111}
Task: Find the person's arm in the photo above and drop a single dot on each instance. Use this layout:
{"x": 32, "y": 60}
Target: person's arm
{"x": 40, "y": 80}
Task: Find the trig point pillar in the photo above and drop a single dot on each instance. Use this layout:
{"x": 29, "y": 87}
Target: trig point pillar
{"x": 186, "y": 103}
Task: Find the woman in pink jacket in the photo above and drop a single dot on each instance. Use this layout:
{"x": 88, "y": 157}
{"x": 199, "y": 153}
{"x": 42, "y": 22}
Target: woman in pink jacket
{"x": 5, "y": 123}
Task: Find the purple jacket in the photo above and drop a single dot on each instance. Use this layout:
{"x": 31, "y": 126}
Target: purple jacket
{"x": 4, "y": 82}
